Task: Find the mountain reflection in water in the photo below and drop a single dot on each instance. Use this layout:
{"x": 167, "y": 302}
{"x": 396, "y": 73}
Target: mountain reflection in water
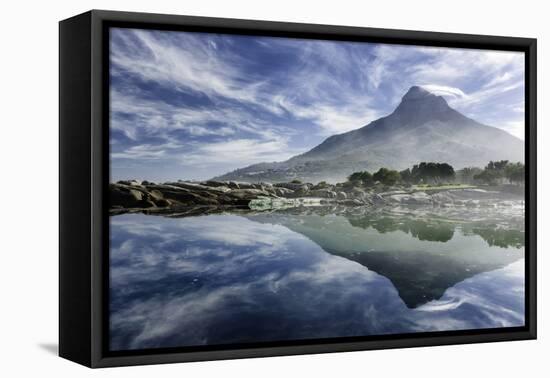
{"x": 309, "y": 273}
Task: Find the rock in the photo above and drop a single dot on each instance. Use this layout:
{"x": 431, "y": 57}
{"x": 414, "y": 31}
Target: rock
{"x": 471, "y": 203}
{"x": 352, "y": 202}
{"x": 187, "y": 197}
{"x": 249, "y": 193}
{"x": 282, "y": 192}
{"x": 163, "y": 203}
{"x": 214, "y": 184}
{"x": 341, "y": 196}
{"x": 322, "y": 193}
{"x": 130, "y": 182}
{"x": 358, "y": 193}
{"x": 156, "y": 195}
{"x": 293, "y": 186}
{"x": 147, "y": 204}
{"x": 246, "y": 185}
{"x": 133, "y": 195}
{"x": 377, "y": 199}
{"x": 420, "y": 198}
{"x": 136, "y": 194}
{"x": 442, "y": 198}
{"x": 261, "y": 186}
{"x": 190, "y": 186}
{"x": 397, "y": 198}
{"x": 122, "y": 195}
{"x": 417, "y": 198}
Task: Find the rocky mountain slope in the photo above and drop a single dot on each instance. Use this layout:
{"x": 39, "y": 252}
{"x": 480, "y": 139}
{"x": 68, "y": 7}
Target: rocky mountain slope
{"x": 422, "y": 128}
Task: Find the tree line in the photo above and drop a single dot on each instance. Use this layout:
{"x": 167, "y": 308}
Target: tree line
{"x": 495, "y": 172}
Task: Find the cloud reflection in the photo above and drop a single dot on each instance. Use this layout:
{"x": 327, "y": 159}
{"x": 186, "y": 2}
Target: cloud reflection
{"x": 227, "y": 279}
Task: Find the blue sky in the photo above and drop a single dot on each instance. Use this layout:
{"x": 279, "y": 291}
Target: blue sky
{"x": 195, "y": 105}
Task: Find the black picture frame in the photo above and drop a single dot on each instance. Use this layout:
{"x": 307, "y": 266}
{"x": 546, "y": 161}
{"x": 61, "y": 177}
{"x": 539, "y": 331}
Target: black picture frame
{"x": 84, "y": 178}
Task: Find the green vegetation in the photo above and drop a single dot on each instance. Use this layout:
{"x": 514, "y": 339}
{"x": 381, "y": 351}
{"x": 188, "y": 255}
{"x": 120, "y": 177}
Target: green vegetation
{"x": 424, "y": 172}
{"x": 384, "y": 176}
{"x": 430, "y": 176}
{"x": 431, "y": 173}
{"x": 434, "y": 176}
{"x": 360, "y": 176}
{"x": 498, "y": 172}
{"x": 466, "y": 175}
{"x": 387, "y": 176}
{"x": 501, "y": 237}
{"x": 432, "y": 230}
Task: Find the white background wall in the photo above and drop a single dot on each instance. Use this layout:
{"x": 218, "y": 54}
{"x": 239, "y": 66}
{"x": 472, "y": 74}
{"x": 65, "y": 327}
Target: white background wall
{"x": 29, "y": 189}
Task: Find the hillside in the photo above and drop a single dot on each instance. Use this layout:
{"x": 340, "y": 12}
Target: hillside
{"x": 423, "y": 127}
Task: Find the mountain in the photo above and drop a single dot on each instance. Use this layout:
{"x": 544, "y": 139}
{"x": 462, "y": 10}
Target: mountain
{"x": 423, "y": 127}
{"x": 409, "y": 250}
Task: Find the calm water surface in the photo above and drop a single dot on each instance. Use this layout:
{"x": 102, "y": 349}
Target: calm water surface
{"x": 252, "y": 277}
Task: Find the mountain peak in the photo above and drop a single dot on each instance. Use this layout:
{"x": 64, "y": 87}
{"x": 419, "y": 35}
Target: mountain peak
{"x": 420, "y": 103}
{"x": 416, "y": 93}
{"x": 423, "y": 127}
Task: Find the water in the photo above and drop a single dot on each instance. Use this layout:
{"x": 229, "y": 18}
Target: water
{"x": 311, "y": 273}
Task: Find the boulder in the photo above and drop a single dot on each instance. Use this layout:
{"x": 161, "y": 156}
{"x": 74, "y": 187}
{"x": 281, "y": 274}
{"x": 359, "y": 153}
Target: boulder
{"x": 282, "y": 192}
{"x": 420, "y": 198}
{"x": 352, "y": 202}
{"x": 130, "y": 182}
{"x": 442, "y": 198}
{"x": 247, "y": 185}
{"x": 147, "y": 204}
{"x": 249, "y": 193}
{"x": 377, "y": 199}
{"x": 163, "y": 203}
{"x": 122, "y": 195}
{"x": 214, "y": 184}
{"x": 357, "y": 193}
{"x": 293, "y": 186}
{"x": 322, "y": 193}
{"x": 417, "y": 198}
{"x": 155, "y": 195}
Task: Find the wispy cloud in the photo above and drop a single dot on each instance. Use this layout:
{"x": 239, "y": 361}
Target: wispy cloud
{"x": 223, "y": 101}
{"x": 181, "y": 60}
{"x": 240, "y": 151}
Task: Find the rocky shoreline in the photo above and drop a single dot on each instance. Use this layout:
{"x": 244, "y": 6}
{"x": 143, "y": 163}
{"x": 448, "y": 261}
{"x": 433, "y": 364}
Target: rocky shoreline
{"x": 144, "y": 196}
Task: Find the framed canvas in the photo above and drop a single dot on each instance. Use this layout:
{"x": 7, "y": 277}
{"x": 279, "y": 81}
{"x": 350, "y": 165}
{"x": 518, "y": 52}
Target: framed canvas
{"x": 234, "y": 188}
